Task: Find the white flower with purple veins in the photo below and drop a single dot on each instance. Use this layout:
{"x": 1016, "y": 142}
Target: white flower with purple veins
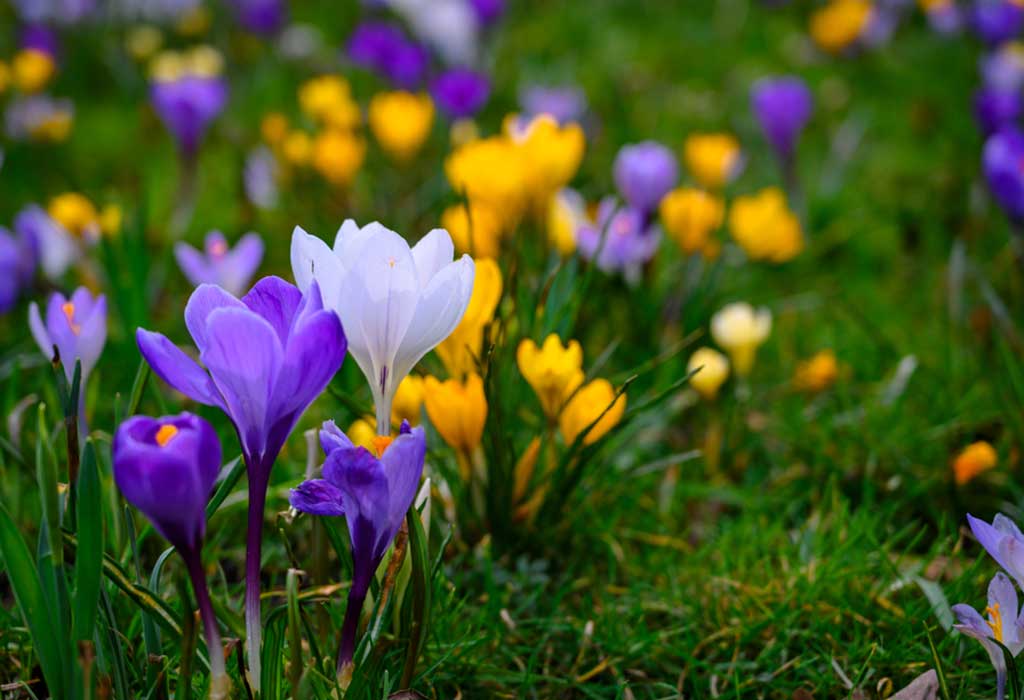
{"x": 1003, "y": 624}
{"x": 229, "y": 268}
{"x": 1003, "y": 541}
{"x": 395, "y": 303}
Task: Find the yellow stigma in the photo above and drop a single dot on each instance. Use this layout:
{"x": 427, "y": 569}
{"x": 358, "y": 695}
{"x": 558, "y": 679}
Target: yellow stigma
{"x": 165, "y": 434}
{"x": 69, "y": 311}
{"x": 380, "y": 443}
{"x": 995, "y": 622}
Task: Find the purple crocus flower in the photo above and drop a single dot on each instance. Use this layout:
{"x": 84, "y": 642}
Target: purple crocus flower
{"x": 40, "y": 38}
{"x": 1005, "y": 625}
{"x": 620, "y": 241}
{"x": 263, "y": 17}
{"x": 76, "y": 326}
{"x": 488, "y": 11}
{"x": 945, "y": 18}
{"x": 1001, "y": 160}
{"x": 644, "y": 173}
{"x": 218, "y": 264}
{"x": 373, "y": 493}
{"x": 996, "y": 21}
{"x": 383, "y": 48}
{"x": 260, "y": 178}
{"x": 187, "y": 105}
{"x": 52, "y": 246}
{"x": 1003, "y": 541}
{"x": 461, "y": 92}
{"x": 166, "y": 467}
{"x": 565, "y": 104}
{"x": 18, "y": 258}
{"x": 995, "y": 108}
{"x": 267, "y": 355}
{"x": 783, "y": 107}
{"x": 1004, "y": 68}
{"x": 59, "y": 11}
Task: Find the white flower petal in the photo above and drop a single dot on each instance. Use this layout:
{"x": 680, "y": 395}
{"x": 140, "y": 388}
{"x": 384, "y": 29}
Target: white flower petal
{"x": 312, "y": 259}
{"x": 432, "y": 253}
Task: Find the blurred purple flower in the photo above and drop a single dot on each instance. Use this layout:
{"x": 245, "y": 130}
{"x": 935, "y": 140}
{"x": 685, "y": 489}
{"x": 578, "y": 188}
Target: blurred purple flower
{"x": 1003, "y": 68}
{"x": 488, "y": 11}
{"x": 945, "y": 18}
{"x": 52, "y": 245}
{"x": 1001, "y": 162}
{"x": 1004, "y": 625}
{"x": 995, "y": 108}
{"x": 373, "y": 493}
{"x": 260, "y": 178}
{"x": 996, "y": 21}
{"x": 621, "y": 240}
{"x": 263, "y": 17}
{"x": 565, "y": 104}
{"x": 644, "y": 172}
{"x": 218, "y": 264}
{"x": 166, "y": 467}
{"x": 383, "y": 48}
{"x": 267, "y": 357}
{"x": 187, "y": 105}
{"x": 59, "y": 11}
{"x": 40, "y": 38}
{"x": 18, "y": 257}
{"x": 76, "y": 326}
{"x": 461, "y": 92}
{"x": 1003, "y": 541}
{"x": 27, "y": 116}
{"x": 783, "y": 106}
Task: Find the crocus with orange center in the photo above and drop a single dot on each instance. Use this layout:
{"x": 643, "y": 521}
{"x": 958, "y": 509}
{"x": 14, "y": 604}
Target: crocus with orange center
{"x": 975, "y": 459}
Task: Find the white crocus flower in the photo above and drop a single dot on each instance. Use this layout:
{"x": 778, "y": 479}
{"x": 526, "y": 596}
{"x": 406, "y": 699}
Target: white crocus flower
{"x": 395, "y": 303}
{"x": 740, "y": 329}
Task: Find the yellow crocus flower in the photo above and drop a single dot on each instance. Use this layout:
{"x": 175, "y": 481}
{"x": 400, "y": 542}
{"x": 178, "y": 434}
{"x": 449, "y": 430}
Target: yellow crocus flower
{"x": 476, "y": 230}
{"x": 338, "y": 155}
{"x": 408, "y": 401}
{"x": 458, "y": 410}
{"x": 32, "y": 69}
{"x": 714, "y": 370}
{"x": 553, "y": 370}
{"x": 740, "y": 330}
{"x": 690, "y": 216}
{"x": 764, "y": 226}
{"x": 713, "y": 159}
{"x": 586, "y": 406}
{"x": 401, "y": 122}
{"x": 465, "y": 343}
{"x": 75, "y": 213}
{"x": 838, "y": 24}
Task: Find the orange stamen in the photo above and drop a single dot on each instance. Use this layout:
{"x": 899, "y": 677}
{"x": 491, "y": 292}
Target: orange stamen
{"x": 996, "y": 623}
{"x": 165, "y": 433}
{"x": 380, "y": 443}
{"x": 69, "y": 312}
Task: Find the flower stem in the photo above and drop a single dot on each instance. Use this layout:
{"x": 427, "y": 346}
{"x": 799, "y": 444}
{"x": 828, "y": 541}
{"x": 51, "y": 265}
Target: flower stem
{"x": 349, "y": 628}
{"x": 214, "y": 648}
{"x": 253, "y": 549}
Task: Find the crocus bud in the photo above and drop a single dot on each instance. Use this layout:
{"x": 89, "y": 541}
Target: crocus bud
{"x": 644, "y": 172}
{"x": 782, "y": 107}
{"x": 166, "y": 468}
{"x": 740, "y": 329}
{"x": 713, "y": 370}
{"x": 714, "y": 160}
{"x": 690, "y": 216}
{"x": 458, "y": 410}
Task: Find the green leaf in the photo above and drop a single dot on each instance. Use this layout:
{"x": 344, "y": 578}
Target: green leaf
{"x": 420, "y": 591}
{"x": 273, "y": 648}
{"x": 89, "y": 557}
{"x": 28, "y": 593}
{"x": 138, "y": 386}
{"x": 294, "y": 632}
{"x": 46, "y": 473}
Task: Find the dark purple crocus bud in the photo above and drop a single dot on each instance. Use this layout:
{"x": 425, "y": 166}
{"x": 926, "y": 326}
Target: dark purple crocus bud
{"x": 406, "y": 65}
{"x": 166, "y": 467}
{"x": 644, "y": 172}
{"x": 488, "y": 11}
{"x": 1002, "y": 161}
{"x": 371, "y": 43}
{"x": 39, "y": 37}
{"x": 996, "y": 21}
{"x": 187, "y": 105}
{"x": 263, "y": 17}
{"x": 995, "y": 108}
{"x": 461, "y": 92}
{"x": 783, "y": 107}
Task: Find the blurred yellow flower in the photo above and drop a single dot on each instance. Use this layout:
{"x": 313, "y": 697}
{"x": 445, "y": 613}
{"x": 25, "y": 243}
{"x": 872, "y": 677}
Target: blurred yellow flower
{"x": 204, "y": 62}
{"x": 401, "y": 121}
{"x": 32, "y": 70}
{"x": 714, "y": 370}
{"x": 552, "y": 153}
{"x": 167, "y": 66}
{"x": 523, "y": 473}
{"x": 75, "y": 213}
{"x": 491, "y": 172}
{"x": 298, "y": 148}
{"x": 274, "y": 128}
{"x": 143, "y": 41}
{"x": 54, "y": 128}
{"x": 110, "y": 220}
{"x": 764, "y": 226}
{"x": 408, "y": 401}
{"x": 458, "y": 410}
{"x": 690, "y": 216}
{"x": 476, "y": 231}
{"x": 463, "y": 131}
{"x": 363, "y": 434}
{"x": 553, "y": 370}
{"x": 973, "y": 460}
{"x": 465, "y": 343}
{"x": 566, "y": 213}
{"x": 338, "y": 155}
{"x": 817, "y": 373}
{"x": 5, "y": 77}
{"x": 327, "y": 100}
{"x": 740, "y": 330}
{"x": 194, "y": 22}
{"x": 586, "y": 406}
{"x": 714, "y": 160}
{"x": 839, "y": 23}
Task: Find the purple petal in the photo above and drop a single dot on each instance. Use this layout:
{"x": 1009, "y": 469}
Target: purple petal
{"x": 988, "y": 537}
{"x": 242, "y": 262}
{"x": 39, "y": 332}
{"x": 193, "y": 264}
{"x": 92, "y": 335}
{"x": 177, "y": 369}
{"x": 970, "y": 622}
{"x": 206, "y": 299}
{"x": 403, "y": 466}
{"x": 312, "y": 357}
{"x": 276, "y": 302}
{"x": 317, "y": 497}
{"x": 332, "y": 438}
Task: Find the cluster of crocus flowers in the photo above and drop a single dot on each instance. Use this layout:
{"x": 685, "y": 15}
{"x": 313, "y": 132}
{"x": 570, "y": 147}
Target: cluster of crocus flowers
{"x": 552, "y": 151}
{"x": 188, "y": 92}
{"x": 219, "y": 264}
{"x": 740, "y": 329}
{"x": 166, "y": 467}
{"x": 337, "y": 151}
{"x": 840, "y": 23}
{"x": 395, "y": 302}
{"x": 267, "y": 356}
{"x": 491, "y": 173}
{"x": 765, "y": 227}
{"x": 975, "y": 459}
{"x": 373, "y": 490}
{"x": 713, "y": 159}
{"x": 401, "y": 122}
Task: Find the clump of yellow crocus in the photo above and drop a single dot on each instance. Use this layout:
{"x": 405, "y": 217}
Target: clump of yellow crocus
{"x": 764, "y": 226}
{"x": 76, "y": 213}
{"x": 690, "y": 216}
{"x": 713, "y": 370}
{"x": 476, "y": 230}
{"x": 817, "y": 373}
{"x": 552, "y": 153}
{"x": 337, "y": 156}
{"x": 460, "y": 350}
{"x": 714, "y": 160}
{"x": 491, "y": 172}
{"x": 401, "y": 121}
{"x": 408, "y": 401}
{"x": 553, "y": 370}
{"x": 740, "y": 330}
{"x": 458, "y": 410}
{"x": 32, "y": 69}
{"x": 838, "y": 24}
{"x": 328, "y": 101}
{"x": 976, "y": 458}
{"x": 595, "y": 401}
{"x": 297, "y": 148}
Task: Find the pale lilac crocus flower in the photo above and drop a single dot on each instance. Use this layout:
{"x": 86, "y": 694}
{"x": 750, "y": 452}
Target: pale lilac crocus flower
{"x": 1004, "y": 624}
{"x": 230, "y": 268}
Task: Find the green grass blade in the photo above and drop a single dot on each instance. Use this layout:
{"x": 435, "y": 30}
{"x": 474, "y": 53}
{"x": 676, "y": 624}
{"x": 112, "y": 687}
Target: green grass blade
{"x": 89, "y": 557}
